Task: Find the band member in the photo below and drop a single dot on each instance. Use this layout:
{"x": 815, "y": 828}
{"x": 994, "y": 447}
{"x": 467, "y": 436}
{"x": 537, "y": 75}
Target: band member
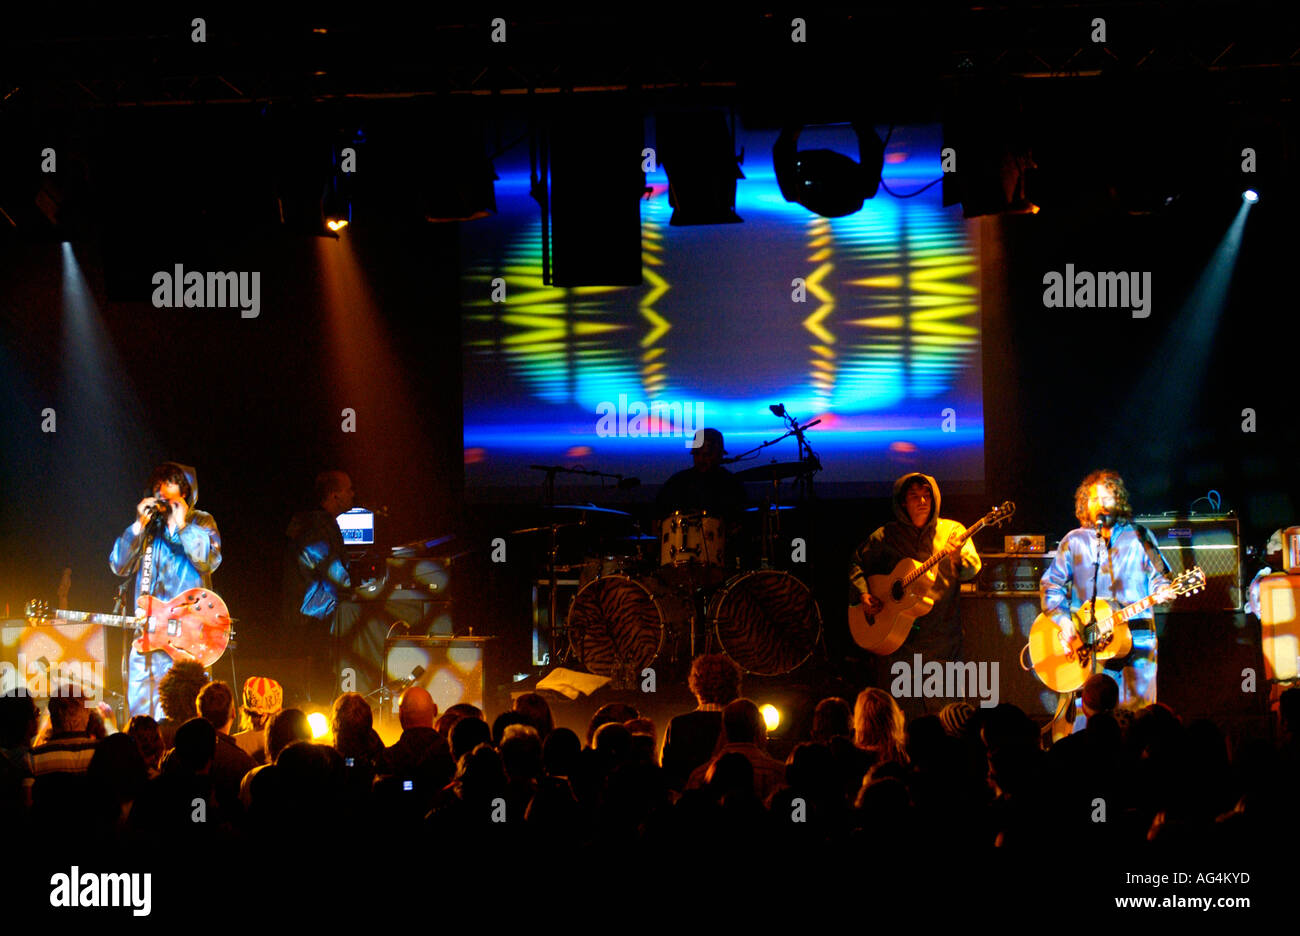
{"x": 707, "y": 485}
{"x": 171, "y": 548}
{"x": 315, "y": 576}
{"x": 1108, "y": 550}
{"x": 918, "y": 534}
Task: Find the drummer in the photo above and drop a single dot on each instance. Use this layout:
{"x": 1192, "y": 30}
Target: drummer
{"x": 707, "y": 485}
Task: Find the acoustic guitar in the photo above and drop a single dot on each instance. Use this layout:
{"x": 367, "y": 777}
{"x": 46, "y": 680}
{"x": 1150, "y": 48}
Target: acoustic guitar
{"x": 908, "y": 592}
{"x": 1065, "y": 671}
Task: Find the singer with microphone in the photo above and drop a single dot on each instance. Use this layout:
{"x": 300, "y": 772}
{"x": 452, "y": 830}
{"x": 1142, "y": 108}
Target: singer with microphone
{"x": 1109, "y": 557}
{"x": 171, "y": 548}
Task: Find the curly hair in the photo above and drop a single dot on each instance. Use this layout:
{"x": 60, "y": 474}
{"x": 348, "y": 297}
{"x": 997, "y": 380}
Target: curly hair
{"x": 878, "y": 726}
{"x": 179, "y": 690}
{"x": 715, "y": 679}
{"x": 1112, "y": 480}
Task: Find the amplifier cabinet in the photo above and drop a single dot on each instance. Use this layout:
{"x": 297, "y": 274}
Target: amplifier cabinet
{"x": 1008, "y": 574}
{"x": 450, "y": 668}
{"x": 1210, "y": 541}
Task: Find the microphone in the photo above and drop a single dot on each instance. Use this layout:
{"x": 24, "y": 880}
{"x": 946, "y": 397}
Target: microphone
{"x": 1105, "y": 521}
{"x": 778, "y": 409}
{"x": 626, "y": 483}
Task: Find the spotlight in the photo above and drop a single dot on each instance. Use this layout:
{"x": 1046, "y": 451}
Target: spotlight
{"x": 825, "y": 182}
{"x": 1250, "y": 196}
{"x": 771, "y": 716}
{"x": 320, "y": 725}
{"x": 699, "y": 156}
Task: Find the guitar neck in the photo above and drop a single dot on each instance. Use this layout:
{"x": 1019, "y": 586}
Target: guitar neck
{"x": 1134, "y": 609}
{"x": 109, "y": 620}
{"x": 943, "y": 553}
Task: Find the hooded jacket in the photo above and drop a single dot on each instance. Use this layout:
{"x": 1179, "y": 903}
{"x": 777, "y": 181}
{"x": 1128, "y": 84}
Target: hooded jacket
{"x": 900, "y": 539}
{"x": 182, "y": 560}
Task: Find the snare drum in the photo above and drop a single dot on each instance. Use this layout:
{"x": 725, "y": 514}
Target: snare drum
{"x": 693, "y": 538}
{"x": 766, "y": 621}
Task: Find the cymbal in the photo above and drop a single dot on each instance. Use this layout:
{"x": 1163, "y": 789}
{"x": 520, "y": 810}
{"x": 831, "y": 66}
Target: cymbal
{"x": 777, "y": 470}
{"x": 592, "y": 508}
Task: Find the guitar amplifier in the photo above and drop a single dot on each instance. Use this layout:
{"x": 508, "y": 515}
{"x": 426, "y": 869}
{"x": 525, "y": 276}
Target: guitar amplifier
{"x": 1210, "y": 541}
{"x": 1009, "y": 574}
{"x": 450, "y": 668}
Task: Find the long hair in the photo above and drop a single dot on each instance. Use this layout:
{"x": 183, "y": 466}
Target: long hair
{"x": 1123, "y": 510}
{"x": 878, "y": 725}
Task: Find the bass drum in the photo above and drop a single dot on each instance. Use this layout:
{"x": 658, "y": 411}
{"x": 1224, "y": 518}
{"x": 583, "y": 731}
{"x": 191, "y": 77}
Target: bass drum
{"x": 766, "y": 621}
{"x": 616, "y": 628}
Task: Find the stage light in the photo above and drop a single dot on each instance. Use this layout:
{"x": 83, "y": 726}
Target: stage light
{"x": 771, "y": 716}
{"x": 699, "y": 157}
{"x": 825, "y": 182}
{"x": 320, "y": 725}
{"x": 1250, "y": 196}
{"x": 336, "y": 225}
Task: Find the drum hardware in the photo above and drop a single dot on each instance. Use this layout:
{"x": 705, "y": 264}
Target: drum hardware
{"x": 585, "y": 511}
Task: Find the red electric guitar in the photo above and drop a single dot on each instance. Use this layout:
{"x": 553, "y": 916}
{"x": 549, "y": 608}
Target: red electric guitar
{"x": 195, "y": 625}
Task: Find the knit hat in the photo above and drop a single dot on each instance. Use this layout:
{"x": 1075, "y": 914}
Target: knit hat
{"x": 262, "y": 695}
{"x": 955, "y": 717}
{"x": 1100, "y": 693}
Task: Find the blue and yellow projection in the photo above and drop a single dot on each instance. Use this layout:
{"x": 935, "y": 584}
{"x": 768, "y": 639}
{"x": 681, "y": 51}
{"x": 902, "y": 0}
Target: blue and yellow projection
{"x": 870, "y": 323}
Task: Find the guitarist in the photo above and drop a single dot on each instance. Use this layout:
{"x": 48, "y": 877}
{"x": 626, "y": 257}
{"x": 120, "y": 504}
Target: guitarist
{"x": 170, "y": 548}
{"x": 1126, "y": 566}
{"x": 919, "y": 533}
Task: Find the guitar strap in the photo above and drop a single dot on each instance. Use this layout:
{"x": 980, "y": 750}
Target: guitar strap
{"x": 1155, "y": 555}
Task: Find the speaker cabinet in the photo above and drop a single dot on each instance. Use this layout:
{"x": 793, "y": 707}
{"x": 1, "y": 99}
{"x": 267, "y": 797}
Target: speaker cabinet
{"x": 1210, "y": 541}
{"x": 450, "y": 668}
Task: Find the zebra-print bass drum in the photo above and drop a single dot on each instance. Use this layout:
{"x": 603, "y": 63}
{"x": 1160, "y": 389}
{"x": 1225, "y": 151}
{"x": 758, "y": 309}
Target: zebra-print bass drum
{"x": 766, "y": 621}
{"x": 616, "y": 627}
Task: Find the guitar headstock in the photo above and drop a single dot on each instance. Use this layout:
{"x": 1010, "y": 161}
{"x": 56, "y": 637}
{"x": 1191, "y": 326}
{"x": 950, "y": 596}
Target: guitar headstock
{"x": 38, "y": 610}
{"x": 1189, "y": 582}
{"x": 1000, "y": 515}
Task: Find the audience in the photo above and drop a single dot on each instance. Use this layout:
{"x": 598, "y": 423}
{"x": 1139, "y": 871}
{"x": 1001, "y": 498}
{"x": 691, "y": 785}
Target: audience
{"x": 263, "y": 698}
{"x": 691, "y": 739}
{"x": 229, "y": 761}
{"x": 975, "y": 778}
{"x": 178, "y": 691}
{"x": 744, "y": 732}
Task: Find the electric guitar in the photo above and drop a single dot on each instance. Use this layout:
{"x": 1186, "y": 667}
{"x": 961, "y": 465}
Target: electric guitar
{"x": 195, "y": 625}
{"x": 908, "y": 592}
{"x": 1065, "y": 671}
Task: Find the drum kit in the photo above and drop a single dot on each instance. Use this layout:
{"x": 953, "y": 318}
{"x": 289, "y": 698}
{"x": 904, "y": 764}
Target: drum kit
{"x": 646, "y": 600}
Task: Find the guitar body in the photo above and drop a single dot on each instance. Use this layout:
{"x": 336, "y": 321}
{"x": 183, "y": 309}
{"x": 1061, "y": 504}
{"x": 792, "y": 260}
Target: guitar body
{"x": 883, "y": 633}
{"x": 1066, "y": 672}
{"x": 195, "y": 625}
